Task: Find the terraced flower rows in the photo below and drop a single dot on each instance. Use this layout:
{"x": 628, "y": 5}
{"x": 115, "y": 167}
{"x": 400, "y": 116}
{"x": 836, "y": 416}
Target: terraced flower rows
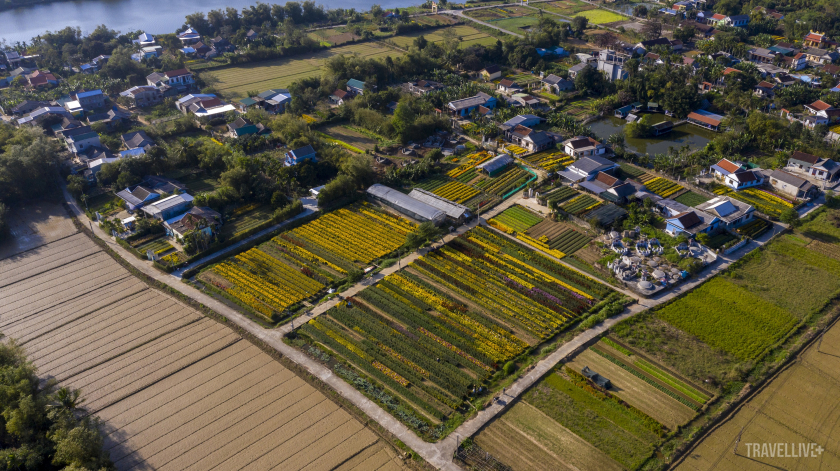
{"x": 298, "y": 264}
{"x": 580, "y": 205}
{"x": 555, "y": 239}
{"x": 432, "y": 332}
{"x": 549, "y": 160}
{"x": 515, "y": 219}
{"x": 456, "y": 191}
{"x": 764, "y": 201}
{"x": 560, "y": 195}
{"x": 506, "y": 182}
{"x": 754, "y": 228}
{"x": 661, "y": 186}
{"x": 472, "y": 161}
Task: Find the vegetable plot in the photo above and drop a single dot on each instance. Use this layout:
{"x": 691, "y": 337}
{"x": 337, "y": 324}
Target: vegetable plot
{"x": 515, "y": 219}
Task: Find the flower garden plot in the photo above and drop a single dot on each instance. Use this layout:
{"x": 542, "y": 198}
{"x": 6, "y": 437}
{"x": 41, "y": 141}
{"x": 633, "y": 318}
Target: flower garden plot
{"x": 580, "y": 205}
{"x": 456, "y": 191}
{"x": 515, "y": 219}
{"x": 730, "y": 318}
{"x": 720, "y": 240}
{"x": 631, "y": 171}
{"x": 246, "y": 221}
{"x": 472, "y": 161}
{"x": 158, "y": 246}
{"x": 764, "y": 201}
{"x": 506, "y": 182}
{"x": 475, "y": 303}
{"x": 560, "y": 195}
{"x": 555, "y": 239}
{"x": 691, "y": 198}
{"x": 549, "y": 160}
{"x": 754, "y": 228}
{"x": 430, "y": 184}
{"x": 662, "y": 186}
{"x": 516, "y": 150}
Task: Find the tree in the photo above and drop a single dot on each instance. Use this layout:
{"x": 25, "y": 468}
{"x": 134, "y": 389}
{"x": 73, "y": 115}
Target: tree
{"x": 703, "y": 238}
{"x": 652, "y": 29}
{"x": 579, "y": 24}
{"x": 420, "y": 42}
{"x": 606, "y": 40}
{"x": 590, "y": 80}
{"x": 640, "y": 10}
{"x": 685, "y": 34}
{"x": 403, "y": 118}
{"x": 790, "y": 216}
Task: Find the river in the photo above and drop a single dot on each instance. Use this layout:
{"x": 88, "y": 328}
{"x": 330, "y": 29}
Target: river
{"x": 152, "y": 16}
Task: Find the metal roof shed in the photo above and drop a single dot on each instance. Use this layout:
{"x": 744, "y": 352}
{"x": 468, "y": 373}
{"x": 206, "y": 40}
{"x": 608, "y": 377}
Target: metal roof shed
{"x": 453, "y": 210}
{"x": 403, "y": 203}
{"x": 496, "y": 164}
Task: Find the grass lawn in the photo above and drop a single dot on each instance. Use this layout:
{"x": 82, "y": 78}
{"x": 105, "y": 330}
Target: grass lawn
{"x": 201, "y": 185}
{"x": 515, "y": 24}
{"x": 106, "y": 204}
{"x": 599, "y": 17}
{"x": 821, "y": 229}
{"x": 246, "y": 222}
{"x": 567, "y": 7}
{"x": 235, "y": 82}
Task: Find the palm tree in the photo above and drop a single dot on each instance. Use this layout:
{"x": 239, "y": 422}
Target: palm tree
{"x": 66, "y": 400}
{"x": 617, "y": 141}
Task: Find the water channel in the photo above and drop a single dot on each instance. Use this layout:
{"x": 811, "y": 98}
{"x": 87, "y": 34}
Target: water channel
{"x": 152, "y": 16}
{"x": 683, "y": 134}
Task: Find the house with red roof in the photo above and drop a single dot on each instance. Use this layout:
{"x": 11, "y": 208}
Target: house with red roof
{"x": 735, "y": 175}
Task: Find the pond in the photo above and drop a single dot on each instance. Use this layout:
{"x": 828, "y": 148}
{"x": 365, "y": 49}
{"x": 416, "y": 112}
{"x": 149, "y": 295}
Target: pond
{"x": 694, "y": 136}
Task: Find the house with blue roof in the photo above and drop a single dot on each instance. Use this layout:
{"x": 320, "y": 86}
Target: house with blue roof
{"x": 294, "y": 157}
{"x": 528, "y": 120}
{"x": 91, "y": 99}
{"x": 356, "y": 87}
{"x": 465, "y": 106}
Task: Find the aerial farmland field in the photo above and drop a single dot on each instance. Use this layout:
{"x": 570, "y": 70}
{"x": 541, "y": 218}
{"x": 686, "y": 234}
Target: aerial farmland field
{"x": 238, "y": 80}
{"x": 386, "y": 332}
{"x": 468, "y": 34}
{"x": 174, "y": 389}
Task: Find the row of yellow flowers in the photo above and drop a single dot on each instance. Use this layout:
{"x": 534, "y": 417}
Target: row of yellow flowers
{"x": 456, "y": 191}
{"x": 472, "y": 161}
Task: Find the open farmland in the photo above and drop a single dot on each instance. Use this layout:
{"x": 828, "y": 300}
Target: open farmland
{"x": 280, "y": 73}
{"x": 582, "y": 427}
{"x": 469, "y": 36}
{"x": 474, "y": 304}
{"x": 300, "y": 263}
{"x": 174, "y": 389}
{"x": 800, "y": 405}
{"x": 599, "y": 17}
{"x": 349, "y": 136}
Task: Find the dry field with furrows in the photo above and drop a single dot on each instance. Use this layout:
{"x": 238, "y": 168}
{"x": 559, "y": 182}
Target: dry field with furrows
{"x": 174, "y": 389}
{"x": 801, "y": 405}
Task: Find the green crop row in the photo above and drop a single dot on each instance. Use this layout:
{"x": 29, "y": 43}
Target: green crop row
{"x": 646, "y": 379}
{"x": 671, "y": 381}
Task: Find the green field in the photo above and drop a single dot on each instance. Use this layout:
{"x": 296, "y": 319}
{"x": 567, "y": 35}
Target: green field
{"x": 599, "y": 17}
{"x": 343, "y": 134}
{"x": 237, "y": 81}
{"x": 201, "y": 185}
{"x": 518, "y": 218}
{"x": 729, "y": 317}
{"x": 238, "y": 225}
{"x": 691, "y": 198}
{"x": 515, "y": 24}
{"x": 566, "y": 7}
{"x": 469, "y": 36}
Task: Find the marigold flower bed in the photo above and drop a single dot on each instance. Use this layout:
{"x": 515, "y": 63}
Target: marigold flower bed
{"x": 440, "y": 327}
{"x": 516, "y": 218}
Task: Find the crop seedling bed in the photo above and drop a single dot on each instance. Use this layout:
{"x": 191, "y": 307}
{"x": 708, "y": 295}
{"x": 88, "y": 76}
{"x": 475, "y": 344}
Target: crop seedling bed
{"x": 517, "y": 219}
{"x": 560, "y": 195}
{"x": 580, "y": 205}
{"x": 691, "y": 198}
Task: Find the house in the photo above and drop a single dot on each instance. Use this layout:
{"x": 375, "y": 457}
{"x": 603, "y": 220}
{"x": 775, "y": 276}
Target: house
{"x": 691, "y": 223}
{"x": 41, "y": 114}
{"x": 587, "y": 168}
{"x": 797, "y": 62}
{"x": 66, "y": 123}
{"x": 735, "y": 176}
{"x": 731, "y": 212}
{"x": 815, "y": 39}
{"x": 338, "y": 97}
{"x": 760, "y": 54}
{"x": 41, "y": 79}
{"x": 91, "y": 99}
{"x": 509, "y": 86}
{"x": 135, "y": 197}
{"x": 495, "y": 165}
{"x": 169, "y": 207}
{"x": 465, "y": 106}
{"x": 601, "y": 183}
{"x": 582, "y": 146}
{"x": 198, "y": 218}
{"x": 831, "y": 69}
{"x": 413, "y": 208}
{"x": 792, "y": 186}
{"x": 533, "y": 141}
{"x": 241, "y": 127}
{"x": 705, "y": 119}
{"x": 221, "y": 45}
{"x": 137, "y": 140}
{"x": 272, "y": 101}
{"x": 356, "y": 87}
{"x": 491, "y": 72}
{"x": 524, "y": 99}
{"x": 528, "y": 120}
{"x": 74, "y": 108}
{"x": 619, "y": 194}
{"x": 554, "y": 84}
{"x": 143, "y": 96}
{"x": 189, "y": 36}
{"x": 612, "y": 64}
{"x": 203, "y": 106}
{"x": 147, "y": 52}
{"x": 422, "y": 87}
{"x": 736, "y": 20}
{"x": 112, "y": 119}
{"x": 296, "y": 156}
{"x": 575, "y": 69}
{"x": 80, "y": 139}
{"x": 145, "y": 40}
{"x": 12, "y": 58}
{"x": 27, "y": 106}
{"x": 765, "y": 89}
{"x": 181, "y": 79}
{"x": 662, "y": 128}
{"x": 251, "y": 35}
{"x": 645, "y": 46}
{"x": 456, "y": 213}
{"x": 817, "y": 107}
{"x": 820, "y": 56}
{"x": 822, "y": 169}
